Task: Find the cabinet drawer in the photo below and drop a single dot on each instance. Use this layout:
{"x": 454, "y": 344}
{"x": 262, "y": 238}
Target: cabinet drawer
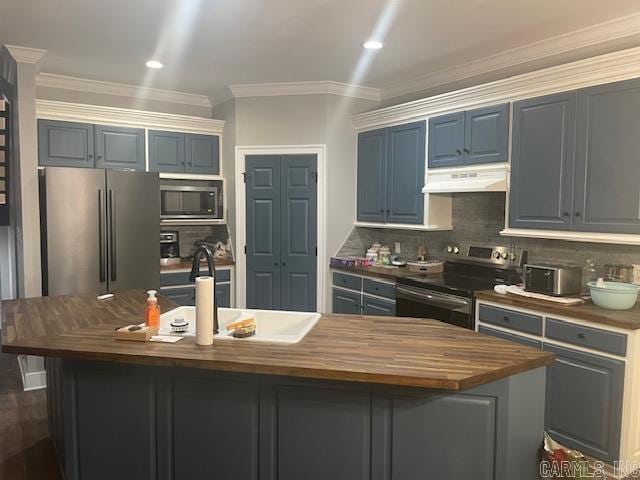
{"x": 345, "y": 301}
{"x": 588, "y": 337}
{"x": 510, "y": 336}
{"x": 182, "y": 278}
{"x": 381, "y": 289}
{"x": 378, "y": 306}
{"x": 182, "y": 296}
{"x": 503, "y": 317}
{"x": 347, "y": 281}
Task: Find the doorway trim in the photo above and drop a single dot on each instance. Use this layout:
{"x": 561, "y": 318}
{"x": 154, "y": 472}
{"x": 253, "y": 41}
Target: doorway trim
{"x": 241, "y": 216}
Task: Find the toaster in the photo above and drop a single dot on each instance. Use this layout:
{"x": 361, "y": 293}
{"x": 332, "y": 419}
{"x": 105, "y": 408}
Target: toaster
{"x": 554, "y": 280}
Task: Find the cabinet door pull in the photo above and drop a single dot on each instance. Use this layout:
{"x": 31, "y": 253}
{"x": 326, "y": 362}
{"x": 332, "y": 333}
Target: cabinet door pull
{"x": 458, "y": 151}
{"x": 578, "y": 214}
{"x": 466, "y": 150}
{"x": 565, "y": 214}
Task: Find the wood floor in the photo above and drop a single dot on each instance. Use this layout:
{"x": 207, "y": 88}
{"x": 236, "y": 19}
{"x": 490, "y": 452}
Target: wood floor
{"x": 26, "y": 453}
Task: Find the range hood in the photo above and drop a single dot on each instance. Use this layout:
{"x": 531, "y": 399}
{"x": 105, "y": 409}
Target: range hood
{"x": 480, "y": 178}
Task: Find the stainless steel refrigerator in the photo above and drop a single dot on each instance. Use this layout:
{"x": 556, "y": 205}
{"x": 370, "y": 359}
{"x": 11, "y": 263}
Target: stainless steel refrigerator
{"x": 99, "y": 230}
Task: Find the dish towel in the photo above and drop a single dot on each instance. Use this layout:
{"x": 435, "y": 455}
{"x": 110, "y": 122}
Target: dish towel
{"x": 563, "y": 300}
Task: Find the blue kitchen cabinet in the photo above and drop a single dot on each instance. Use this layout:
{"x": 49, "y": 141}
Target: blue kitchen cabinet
{"x": 469, "y": 138}
{"x": 607, "y": 169}
{"x": 542, "y": 162}
{"x": 65, "y": 144}
{"x": 486, "y": 136}
{"x": 405, "y": 173}
{"x": 119, "y": 147}
{"x": 174, "y": 152}
{"x": 446, "y": 140}
{"x": 584, "y": 402}
{"x": 371, "y": 182}
{"x": 391, "y": 163}
{"x": 202, "y": 154}
{"x": 378, "y": 306}
{"x": 345, "y": 301}
{"x": 166, "y": 152}
{"x": 574, "y": 164}
{"x": 223, "y": 295}
{"x": 183, "y": 296}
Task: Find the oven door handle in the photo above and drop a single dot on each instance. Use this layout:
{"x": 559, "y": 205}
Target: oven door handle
{"x": 433, "y": 298}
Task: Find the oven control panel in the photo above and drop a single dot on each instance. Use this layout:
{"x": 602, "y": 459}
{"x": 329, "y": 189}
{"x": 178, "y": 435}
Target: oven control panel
{"x": 500, "y": 255}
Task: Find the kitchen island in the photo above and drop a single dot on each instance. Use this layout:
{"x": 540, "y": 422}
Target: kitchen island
{"x": 358, "y": 397}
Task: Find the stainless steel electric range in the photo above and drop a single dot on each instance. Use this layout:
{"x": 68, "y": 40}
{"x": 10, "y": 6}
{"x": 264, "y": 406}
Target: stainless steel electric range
{"x": 449, "y": 296}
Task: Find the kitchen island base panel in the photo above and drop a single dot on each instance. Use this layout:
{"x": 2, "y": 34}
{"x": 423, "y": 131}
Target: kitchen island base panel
{"x": 145, "y": 422}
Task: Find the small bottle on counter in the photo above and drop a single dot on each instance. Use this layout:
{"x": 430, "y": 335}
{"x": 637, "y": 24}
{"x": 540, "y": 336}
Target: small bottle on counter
{"x": 152, "y": 310}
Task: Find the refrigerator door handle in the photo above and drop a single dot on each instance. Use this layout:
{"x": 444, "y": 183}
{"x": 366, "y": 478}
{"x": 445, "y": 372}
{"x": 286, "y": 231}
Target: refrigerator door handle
{"x": 101, "y": 237}
{"x": 112, "y": 235}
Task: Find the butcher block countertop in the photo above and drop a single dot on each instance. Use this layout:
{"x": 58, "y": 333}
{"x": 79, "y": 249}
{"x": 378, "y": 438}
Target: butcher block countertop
{"x": 629, "y": 319}
{"x": 186, "y": 265}
{"x": 379, "y": 350}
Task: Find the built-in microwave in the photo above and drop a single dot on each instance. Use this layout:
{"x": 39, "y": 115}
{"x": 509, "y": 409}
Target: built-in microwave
{"x": 184, "y": 202}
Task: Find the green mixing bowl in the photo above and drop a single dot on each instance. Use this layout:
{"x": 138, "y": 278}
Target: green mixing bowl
{"x": 614, "y": 295}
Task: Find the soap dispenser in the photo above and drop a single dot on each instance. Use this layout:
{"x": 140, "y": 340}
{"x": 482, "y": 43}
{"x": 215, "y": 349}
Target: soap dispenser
{"x": 152, "y": 310}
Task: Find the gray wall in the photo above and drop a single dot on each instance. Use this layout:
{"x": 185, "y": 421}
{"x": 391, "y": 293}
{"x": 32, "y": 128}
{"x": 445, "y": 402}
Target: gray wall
{"x": 478, "y": 219}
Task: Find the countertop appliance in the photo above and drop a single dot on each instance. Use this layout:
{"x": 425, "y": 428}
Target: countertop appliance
{"x": 449, "y": 296}
{"x": 169, "y": 247}
{"x": 554, "y": 280}
{"x": 97, "y": 227}
{"x": 192, "y": 202}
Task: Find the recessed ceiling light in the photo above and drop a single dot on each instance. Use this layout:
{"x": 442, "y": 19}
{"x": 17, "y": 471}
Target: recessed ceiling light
{"x": 154, "y": 64}
{"x": 372, "y": 45}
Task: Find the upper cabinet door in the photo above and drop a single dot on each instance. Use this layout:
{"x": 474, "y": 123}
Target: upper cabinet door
{"x": 486, "y": 134}
{"x": 405, "y": 173}
{"x": 119, "y": 147}
{"x": 372, "y": 153}
{"x": 166, "y": 151}
{"x": 203, "y": 154}
{"x": 607, "y": 181}
{"x": 542, "y": 162}
{"x": 446, "y": 140}
{"x": 65, "y": 144}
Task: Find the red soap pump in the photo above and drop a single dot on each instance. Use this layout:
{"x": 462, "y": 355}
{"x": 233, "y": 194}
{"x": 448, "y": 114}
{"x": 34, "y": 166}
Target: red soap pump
{"x": 152, "y": 310}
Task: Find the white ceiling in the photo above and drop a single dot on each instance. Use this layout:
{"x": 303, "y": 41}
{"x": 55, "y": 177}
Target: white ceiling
{"x": 207, "y": 45}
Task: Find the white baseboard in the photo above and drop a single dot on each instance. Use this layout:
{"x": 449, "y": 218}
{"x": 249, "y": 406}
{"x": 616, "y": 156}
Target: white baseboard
{"x": 31, "y": 380}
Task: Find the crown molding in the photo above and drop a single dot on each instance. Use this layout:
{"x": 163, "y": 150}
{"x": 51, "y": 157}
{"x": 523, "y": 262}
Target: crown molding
{"x": 611, "y": 67}
{"x": 77, "y": 112}
{"x": 578, "y": 39}
{"x": 305, "y": 88}
{"x": 26, "y": 54}
{"x": 65, "y": 82}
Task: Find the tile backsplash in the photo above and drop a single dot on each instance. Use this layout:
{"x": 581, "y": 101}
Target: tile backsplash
{"x": 188, "y": 235}
{"x": 478, "y": 219}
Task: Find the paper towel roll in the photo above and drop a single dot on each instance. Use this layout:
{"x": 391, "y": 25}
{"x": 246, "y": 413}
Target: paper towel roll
{"x": 204, "y": 310}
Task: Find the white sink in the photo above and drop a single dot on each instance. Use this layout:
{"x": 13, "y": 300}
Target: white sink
{"x": 271, "y": 325}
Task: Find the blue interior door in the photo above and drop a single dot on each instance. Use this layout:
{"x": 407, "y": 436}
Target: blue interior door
{"x": 298, "y": 232}
{"x": 263, "y": 194}
{"x": 281, "y": 194}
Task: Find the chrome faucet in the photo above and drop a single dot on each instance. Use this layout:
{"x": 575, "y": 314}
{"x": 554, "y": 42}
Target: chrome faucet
{"x": 195, "y": 272}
